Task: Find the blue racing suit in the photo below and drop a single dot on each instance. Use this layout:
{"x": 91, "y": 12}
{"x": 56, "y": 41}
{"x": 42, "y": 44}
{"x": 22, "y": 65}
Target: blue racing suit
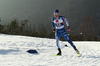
{"x": 60, "y": 30}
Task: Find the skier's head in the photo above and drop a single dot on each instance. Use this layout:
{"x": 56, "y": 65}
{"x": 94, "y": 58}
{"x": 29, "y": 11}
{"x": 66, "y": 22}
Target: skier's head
{"x": 56, "y": 13}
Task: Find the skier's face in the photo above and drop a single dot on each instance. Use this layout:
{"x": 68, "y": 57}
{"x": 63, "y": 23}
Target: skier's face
{"x": 56, "y": 15}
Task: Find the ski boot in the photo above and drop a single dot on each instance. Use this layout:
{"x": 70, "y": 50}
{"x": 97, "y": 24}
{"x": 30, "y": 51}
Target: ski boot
{"x": 77, "y": 51}
{"x": 59, "y": 53}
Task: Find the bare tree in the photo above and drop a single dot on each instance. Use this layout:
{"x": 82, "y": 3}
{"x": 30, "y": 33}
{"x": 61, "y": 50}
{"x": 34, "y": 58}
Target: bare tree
{"x": 88, "y": 28}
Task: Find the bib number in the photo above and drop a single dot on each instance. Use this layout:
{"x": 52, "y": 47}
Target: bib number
{"x": 57, "y": 24}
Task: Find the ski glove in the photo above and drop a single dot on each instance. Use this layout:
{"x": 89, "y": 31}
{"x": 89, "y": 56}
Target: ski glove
{"x": 68, "y": 28}
{"x": 53, "y": 30}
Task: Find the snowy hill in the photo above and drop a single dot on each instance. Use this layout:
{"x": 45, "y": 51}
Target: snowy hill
{"x": 13, "y": 52}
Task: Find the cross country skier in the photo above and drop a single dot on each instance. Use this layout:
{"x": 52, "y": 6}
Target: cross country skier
{"x": 58, "y": 24}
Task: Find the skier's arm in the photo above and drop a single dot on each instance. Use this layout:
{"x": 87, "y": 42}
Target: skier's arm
{"x": 67, "y": 23}
{"x": 53, "y": 26}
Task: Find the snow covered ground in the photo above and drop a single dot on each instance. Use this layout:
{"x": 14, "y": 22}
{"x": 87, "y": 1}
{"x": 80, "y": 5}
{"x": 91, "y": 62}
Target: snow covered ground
{"x": 13, "y": 52}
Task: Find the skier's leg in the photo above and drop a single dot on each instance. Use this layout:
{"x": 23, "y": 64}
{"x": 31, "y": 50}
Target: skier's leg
{"x": 57, "y": 43}
{"x": 65, "y": 35}
{"x": 57, "y": 40}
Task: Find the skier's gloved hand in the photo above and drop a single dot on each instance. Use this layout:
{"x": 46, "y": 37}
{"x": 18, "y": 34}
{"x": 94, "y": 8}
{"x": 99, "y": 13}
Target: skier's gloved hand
{"x": 68, "y": 28}
{"x": 53, "y": 30}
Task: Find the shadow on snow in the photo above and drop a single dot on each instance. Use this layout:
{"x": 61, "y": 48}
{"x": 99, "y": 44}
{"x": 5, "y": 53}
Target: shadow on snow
{"x": 4, "y": 52}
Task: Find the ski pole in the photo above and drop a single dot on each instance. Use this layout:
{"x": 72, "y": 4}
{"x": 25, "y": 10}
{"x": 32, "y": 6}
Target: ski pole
{"x": 72, "y": 31}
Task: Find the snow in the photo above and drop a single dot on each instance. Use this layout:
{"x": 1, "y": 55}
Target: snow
{"x": 13, "y": 52}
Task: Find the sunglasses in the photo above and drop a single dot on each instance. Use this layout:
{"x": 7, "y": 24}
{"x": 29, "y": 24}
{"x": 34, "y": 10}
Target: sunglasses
{"x": 55, "y": 13}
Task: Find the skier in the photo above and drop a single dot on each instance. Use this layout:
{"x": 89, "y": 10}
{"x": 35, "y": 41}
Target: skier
{"x": 58, "y": 28}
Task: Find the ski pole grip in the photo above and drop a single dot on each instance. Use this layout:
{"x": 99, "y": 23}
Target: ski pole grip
{"x": 68, "y": 28}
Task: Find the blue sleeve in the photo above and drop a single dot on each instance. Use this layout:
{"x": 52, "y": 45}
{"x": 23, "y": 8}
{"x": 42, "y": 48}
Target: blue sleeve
{"x": 53, "y": 25}
{"x": 64, "y": 19}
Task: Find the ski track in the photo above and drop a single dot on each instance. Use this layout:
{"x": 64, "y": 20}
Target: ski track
{"x": 13, "y": 52}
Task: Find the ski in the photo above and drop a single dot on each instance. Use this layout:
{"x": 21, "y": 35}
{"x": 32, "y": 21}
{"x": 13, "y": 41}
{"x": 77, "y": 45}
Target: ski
{"x": 79, "y": 55}
{"x": 56, "y": 55}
